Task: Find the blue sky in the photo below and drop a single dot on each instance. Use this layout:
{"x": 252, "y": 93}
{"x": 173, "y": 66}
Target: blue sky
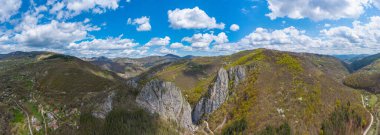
{"x": 138, "y": 28}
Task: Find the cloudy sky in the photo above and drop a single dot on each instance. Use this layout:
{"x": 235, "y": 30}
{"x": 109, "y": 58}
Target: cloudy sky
{"x": 138, "y": 28}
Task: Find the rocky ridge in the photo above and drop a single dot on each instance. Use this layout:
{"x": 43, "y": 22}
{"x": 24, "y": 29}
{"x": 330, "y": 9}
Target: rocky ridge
{"x": 165, "y": 99}
{"x": 218, "y": 93}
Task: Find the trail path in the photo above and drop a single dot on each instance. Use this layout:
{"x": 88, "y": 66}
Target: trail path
{"x": 27, "y": 117}
{"x": 370, "y": 124}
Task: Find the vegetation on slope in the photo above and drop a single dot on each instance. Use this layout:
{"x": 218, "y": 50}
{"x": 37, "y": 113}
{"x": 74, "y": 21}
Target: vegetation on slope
{"x": 60, "y": 92}
{"x": 360, "y": 63}
{"x": 344, "y": 120}
{"x": 366, "y": 78}
{"x": 284, "y": 93}
{"x": 123, "y": 121}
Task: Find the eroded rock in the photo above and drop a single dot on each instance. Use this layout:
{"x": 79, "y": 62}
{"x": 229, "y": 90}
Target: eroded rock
{"x": 165, "y": 99}
{"x": 218, "y": 93}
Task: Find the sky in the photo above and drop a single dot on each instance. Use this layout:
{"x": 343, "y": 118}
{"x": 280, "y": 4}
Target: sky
{"x": 139, "y": 28}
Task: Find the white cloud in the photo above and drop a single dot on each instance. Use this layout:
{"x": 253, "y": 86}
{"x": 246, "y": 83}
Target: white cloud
{"x": 158, "y": 41}
{"x": 8, "y": 8}
{"x": 361, "y": 38}
{"x": 194, "y": 18}
{"x": 143, "y": 23}
{"x": 96, "y": 6}
{"x": 104, "y": 44}
{"x": 376, "y": 3}
{"x": 288, "y": 39}
{"x": 359, "y": 35}
{"x": 51, "y": 35}
{"x": 71, "y": 8}
{"x": 234, "y": 27}
{"x": 202, "y": 41}
{"x": 110, "y": 47}
{"x": 244, "y": 11}
{"x": 164, "y": 50}
{"x": 176, "y": 45}
{"x": 316, "y": 9}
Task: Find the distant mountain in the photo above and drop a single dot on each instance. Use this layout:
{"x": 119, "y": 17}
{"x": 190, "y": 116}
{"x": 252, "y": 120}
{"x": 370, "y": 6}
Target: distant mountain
{"x": 188, "y": 56}
{"x": 172, "y": 56}
{"x": 360, "y": 63}
{"x": 366, "y": 75}
{"x": 130, "y": 67}
{"x": 19, "y": 54}
{"x": 349, "y": 58}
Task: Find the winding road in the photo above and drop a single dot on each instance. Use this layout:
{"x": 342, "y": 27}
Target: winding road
{"x": 370, "y": 124}
{"x": 27, "y": 117}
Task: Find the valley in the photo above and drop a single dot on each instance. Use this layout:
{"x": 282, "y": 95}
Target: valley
{"x": 261, "y": 92}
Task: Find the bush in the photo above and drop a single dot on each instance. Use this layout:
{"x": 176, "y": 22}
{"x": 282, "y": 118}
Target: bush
{"x": 236, "y": 128}
{"x": 124, "y": 122}
{"x": 284, "y": 129}
{"x": 344, "y": 120}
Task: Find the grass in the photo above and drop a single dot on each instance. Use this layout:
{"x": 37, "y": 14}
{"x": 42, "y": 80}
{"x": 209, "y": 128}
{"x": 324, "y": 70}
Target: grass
{"x": 18, "y": 123}
{"x": 254, "y": 56}
{"x": 290, "y": 62}
{"x": 283, "y": 129}
{"x": 235, "y": 128}
{"x": 372, "y": 100}
{"x": 303, "y": 91}
{"x": 18, "y": 116}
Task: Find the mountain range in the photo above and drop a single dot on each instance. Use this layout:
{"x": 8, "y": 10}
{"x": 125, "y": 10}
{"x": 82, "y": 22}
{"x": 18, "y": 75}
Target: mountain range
{"x": 260, "y": 92}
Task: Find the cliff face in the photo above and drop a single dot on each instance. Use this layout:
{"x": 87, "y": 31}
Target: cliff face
{"x": 104, "y": 108}
{"x": 218, "y": 93}
{"x": 165, "y": 99}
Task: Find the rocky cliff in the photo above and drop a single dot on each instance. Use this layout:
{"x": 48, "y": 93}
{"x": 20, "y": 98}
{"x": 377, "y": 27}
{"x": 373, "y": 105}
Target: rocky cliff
{"x": 165, "y": 99}
{"x": 102, "y": 109}
{"x": 218, "y": 93}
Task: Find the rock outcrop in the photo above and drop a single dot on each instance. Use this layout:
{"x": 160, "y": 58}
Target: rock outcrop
{"x": 236, "y": 74}
{"x": 104, "y": 108}
{"x": 166, "y": 99}
{"x": 218, "y": 93}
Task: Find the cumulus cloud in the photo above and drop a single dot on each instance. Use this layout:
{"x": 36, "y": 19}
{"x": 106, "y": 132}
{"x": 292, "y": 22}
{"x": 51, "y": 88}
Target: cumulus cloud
{"x": 176, "y": 45}
{"x": 51, "y": 35}
{"x": 202, "y": 41}
{"x": 375, "y": 3}
{"x": 96, "y": 6}
{"x": 359, "y": 35}
{"x": 194, "y": 18}
{"x": 104, "y": 44}
{"x": 289, "y": 39}
{"x": 143, "y": 23}
{"x": 71, "y": 8}
{"x": 8, "y": 8}
{"x": 234, "y": 27}
{"x": 164, "y": 50}
{"x": 358, "y": 39}
{"x": 110, "y": 47}
{"x": 156, "y": 41}
{"x": 316, "y": 9}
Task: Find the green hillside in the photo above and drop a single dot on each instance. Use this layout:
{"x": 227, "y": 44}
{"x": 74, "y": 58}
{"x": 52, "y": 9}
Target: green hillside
{"x": 60, "y": 92}
{"x": 282, "y": 93}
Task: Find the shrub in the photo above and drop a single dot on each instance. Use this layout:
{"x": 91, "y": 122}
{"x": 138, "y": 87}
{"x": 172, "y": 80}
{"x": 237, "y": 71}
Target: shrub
{"x": 344, "y": 120}
{"x": 283, "y": 129}
{"x": 236, "y": 128}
